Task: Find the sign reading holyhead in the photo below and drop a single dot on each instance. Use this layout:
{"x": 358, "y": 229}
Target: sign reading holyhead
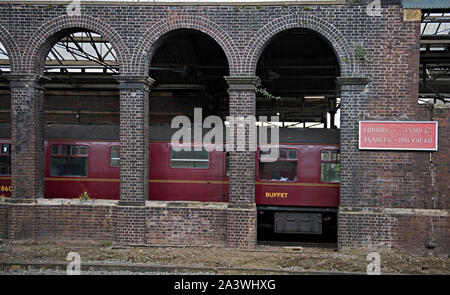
{"x": 398, "y": 135}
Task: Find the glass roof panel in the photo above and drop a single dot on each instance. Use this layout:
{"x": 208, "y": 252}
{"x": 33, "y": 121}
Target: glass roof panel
{"x": 3, "y": 53}
{"x": 82, "y": 50}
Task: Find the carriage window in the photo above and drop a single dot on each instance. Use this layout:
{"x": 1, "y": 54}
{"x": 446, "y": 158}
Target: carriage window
{"x": 189, "y": 159}
{"x": 283, "y": 169}
{"x": 115, "y": 156}
{"x": 227, "y": 164}
{"x": 5, "y": 160}
{"x": 330, "y": 166}
{"x": 69, "y": 160}
{"x": 55, "y": 149}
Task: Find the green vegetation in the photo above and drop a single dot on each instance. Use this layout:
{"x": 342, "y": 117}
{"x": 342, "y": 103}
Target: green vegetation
{"x": 361, "y": 53}
{"x": 105, "y": 243}
{"x": 84, "y": 196}
{"x": 266, "y": 94}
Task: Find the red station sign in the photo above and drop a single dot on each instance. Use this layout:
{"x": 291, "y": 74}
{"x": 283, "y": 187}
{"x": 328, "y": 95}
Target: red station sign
{"x": 398, "y": 135}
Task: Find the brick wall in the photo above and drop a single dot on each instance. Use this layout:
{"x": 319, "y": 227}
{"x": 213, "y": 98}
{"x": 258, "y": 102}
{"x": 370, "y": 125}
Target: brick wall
{"x": 5, "y": 106}
{"x": 161, "y": 223}
{"x": 440, "y": 166}
{"x": 403, "y": 230}
{"x": 102, "y": 107}
{"x": 91, "y": 107}
{"x": 186, "y": 226}
{"x": 3, "y": 221}
{"x": 362, "y": 228}
{"x": 411, "y": 233}
{"x": 134, "y": 139}
{"x": 27, "y": 137}
{"x": 370, "y": 180}
{"x": 131, "y": 226}
{"x": 52, "y": 220}
{"x": 385, "y": 178}
{"x": 241, "y": 216}
{"x": 22, "y": 221}
{"x": 241, "y": 227}
{"x": 76, "y": 222}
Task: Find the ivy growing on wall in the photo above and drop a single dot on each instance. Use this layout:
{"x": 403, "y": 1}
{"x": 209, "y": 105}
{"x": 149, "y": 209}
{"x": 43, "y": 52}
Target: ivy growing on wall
{"x": 361, "y": 53}
{"x": 266, "y": 94}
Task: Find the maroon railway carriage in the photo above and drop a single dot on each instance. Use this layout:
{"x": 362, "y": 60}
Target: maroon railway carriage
{"x": 300, "y": 185}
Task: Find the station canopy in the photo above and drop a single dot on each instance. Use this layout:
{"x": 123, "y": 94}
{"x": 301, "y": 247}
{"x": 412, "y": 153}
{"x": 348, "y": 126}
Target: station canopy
{"x": 434, "y": 84}
{"x": 426, "y": 4}
{"x": 78, "y": 60}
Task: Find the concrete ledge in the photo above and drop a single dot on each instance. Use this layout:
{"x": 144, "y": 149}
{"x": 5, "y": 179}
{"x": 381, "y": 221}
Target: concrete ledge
{"x": 102, "y": 202}
{"x": 56, "y": 202}
{"x": 187, "y": 204}
{"x": 122, "y": 203}
{"x": 393, "y": 211}
{"x": 243, "y": 206}
{"x": 242, "y": 83}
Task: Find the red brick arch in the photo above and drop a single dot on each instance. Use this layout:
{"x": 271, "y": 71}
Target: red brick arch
{"x": 148, "y": 43}
{"x": 262, "y": 38}
{"x": 10, "y": 45}
{"x": 51, "y": 31}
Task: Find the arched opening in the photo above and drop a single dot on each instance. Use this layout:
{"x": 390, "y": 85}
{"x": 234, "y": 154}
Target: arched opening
{"x": 81, "y": 88}
{"x": 188, "y": 67}
{"x": 298, "y": 68}
{"x": 4, "y": 60}
{"x": 5, "y": 93}
{"x": 298, "y": 194}
{"x": 81, "y": 116}
{"x": 5, "y": 121}
{"x": 434, "y": 86}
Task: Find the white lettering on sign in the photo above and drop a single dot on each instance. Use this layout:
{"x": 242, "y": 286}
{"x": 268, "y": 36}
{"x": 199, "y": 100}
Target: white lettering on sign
{"x": 398, "y": 135}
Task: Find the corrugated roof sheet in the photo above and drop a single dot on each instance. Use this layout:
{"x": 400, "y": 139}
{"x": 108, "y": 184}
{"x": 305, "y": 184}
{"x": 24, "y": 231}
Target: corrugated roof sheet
{"x": 428, "y": 4}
